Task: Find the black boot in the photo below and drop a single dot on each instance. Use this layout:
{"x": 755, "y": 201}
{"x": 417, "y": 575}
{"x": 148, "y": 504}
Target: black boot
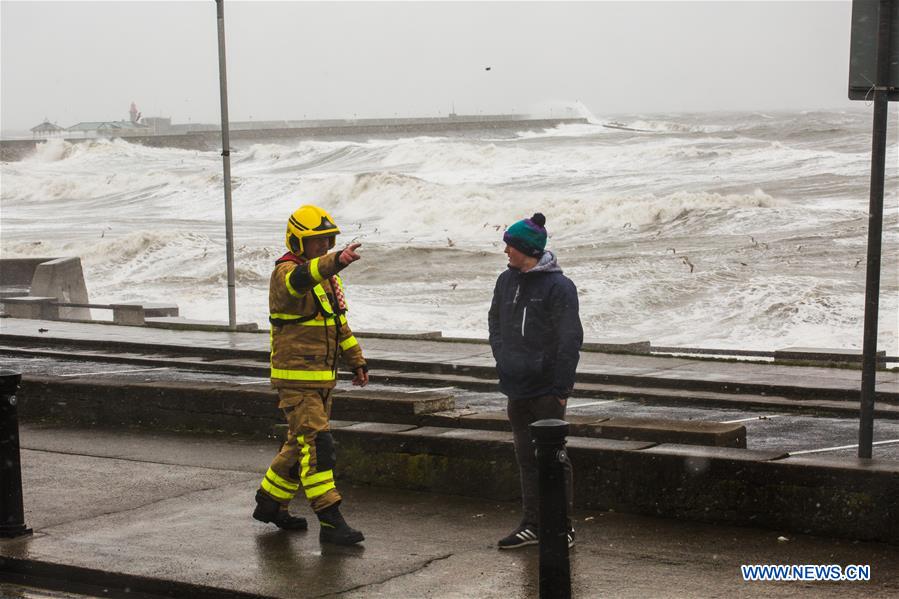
{"x": 268, "y": 510}
{"x": 334, "y": 528}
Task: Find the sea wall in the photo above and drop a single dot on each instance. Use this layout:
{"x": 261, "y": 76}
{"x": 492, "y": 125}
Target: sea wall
{"x": 211, "y": 139}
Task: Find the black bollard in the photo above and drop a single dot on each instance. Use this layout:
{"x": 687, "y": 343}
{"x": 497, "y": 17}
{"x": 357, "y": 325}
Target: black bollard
{"x": 555, "y": 571}
{"x": 12, "y": 513}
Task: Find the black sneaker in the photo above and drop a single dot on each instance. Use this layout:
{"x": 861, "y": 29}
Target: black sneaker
{"x": 524, "y": 535}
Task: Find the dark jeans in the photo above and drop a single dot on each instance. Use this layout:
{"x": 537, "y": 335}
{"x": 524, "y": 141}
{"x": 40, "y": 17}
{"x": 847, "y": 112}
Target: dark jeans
{"x": 523, "y": 412}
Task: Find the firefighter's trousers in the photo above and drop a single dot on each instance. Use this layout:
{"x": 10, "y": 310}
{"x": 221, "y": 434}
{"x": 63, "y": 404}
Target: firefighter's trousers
{"x": 306, "y": 461}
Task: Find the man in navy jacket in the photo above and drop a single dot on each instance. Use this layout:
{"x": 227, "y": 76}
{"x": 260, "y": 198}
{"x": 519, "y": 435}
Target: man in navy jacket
{"x": 535, "y": 334}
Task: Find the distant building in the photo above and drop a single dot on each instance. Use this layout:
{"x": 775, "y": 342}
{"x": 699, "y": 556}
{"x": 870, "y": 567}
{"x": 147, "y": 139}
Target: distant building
{"x": 46, "y": 130}
{"x": 158, "y": 124}
{"x": 109, "y": 128}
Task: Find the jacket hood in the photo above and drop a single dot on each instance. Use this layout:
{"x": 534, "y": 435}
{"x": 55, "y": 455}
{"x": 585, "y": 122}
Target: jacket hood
{"x": 547, "y": 263}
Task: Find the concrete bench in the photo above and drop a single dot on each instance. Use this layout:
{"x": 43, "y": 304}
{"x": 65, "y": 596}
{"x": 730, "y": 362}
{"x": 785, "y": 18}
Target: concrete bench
{"x": 136, "y": 313}
{"x": 385, "y": 334}
{"x": 32, "y": 307}
{"x": 622, "y": 346}
{"x": 13, "y": 291}
{"x": 654, "y": 430}
{"x": 822, "y": 354}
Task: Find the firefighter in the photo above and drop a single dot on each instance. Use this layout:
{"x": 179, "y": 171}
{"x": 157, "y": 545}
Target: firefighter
{"x": 309, "y": 332}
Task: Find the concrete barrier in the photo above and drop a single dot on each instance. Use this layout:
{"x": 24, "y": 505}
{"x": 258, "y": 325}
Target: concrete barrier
{"x": 16, "y": 275}
{"x": 856, "y": 500}
{"x": 63, "y": 279}
{"x": 59, "y": 278}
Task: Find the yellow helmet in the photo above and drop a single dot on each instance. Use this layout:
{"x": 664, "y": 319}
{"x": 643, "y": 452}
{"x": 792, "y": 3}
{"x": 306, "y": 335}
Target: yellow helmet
{"x": 307, "y": 222}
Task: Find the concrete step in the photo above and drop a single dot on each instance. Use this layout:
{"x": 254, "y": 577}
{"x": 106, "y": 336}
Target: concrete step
{"x": 252, "y": 409}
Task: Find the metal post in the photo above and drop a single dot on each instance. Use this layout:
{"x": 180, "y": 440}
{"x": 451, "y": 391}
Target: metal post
{"x": 875, "y": 231}
{"x": 555, "y": 571}
{"x": 12, "y": 513}
{"x": 226, "y": 166}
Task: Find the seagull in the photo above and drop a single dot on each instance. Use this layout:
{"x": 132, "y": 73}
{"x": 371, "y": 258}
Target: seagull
{"x": 687, "y": 262}
{"x": 450, "y": 242}
{"x": 673, "y": 251}
{"x": 857, "y": 262}
{"x": 488, "y": 68}
{"x": 454, "y": 285}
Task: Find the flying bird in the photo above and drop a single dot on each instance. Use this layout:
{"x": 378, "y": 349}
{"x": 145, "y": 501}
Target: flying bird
{"x": 488, "y": 68}
{"x": 687, "y": 262}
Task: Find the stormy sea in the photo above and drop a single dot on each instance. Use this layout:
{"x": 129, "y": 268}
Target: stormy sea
{"x": 725, "y": 230}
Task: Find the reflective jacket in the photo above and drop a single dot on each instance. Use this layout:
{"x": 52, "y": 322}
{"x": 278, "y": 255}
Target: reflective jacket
{"x": 535, "y": 331}
{"x": 309, "y": 330}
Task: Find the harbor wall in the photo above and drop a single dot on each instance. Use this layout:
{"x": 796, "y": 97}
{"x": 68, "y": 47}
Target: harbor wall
{"x": 210, "y": 139}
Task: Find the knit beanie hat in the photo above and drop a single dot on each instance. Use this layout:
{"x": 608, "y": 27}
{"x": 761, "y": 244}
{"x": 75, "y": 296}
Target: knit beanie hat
{"x": 528, "y": 236}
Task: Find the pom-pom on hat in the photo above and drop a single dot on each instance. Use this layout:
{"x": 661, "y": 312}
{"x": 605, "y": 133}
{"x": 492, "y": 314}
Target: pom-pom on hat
{"x": 528, "y": 236}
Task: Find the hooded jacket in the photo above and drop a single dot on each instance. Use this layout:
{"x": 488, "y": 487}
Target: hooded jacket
{"x": 535, "y": 331}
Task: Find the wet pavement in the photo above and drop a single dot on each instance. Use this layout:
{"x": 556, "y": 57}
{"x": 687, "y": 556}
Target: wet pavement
{"x": 176, "y": 509}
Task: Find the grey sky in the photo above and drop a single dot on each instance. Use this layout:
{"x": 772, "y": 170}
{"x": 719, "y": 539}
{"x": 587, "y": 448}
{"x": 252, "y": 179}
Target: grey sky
{"x": 79, "y": 61}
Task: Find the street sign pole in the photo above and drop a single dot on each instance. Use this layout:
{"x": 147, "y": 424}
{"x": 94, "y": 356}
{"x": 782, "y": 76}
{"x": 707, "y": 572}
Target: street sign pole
{"x": 875, "y": 229}
{"x": 226, "y": 165}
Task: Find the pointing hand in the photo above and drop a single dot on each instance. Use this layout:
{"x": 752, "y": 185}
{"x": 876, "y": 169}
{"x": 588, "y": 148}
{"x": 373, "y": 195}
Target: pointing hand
{"x": 349, "y": 255}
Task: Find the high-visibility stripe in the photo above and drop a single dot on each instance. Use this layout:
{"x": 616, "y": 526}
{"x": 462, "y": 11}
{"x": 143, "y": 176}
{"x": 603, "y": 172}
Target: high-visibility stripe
{"x": 281, "y": 481}
{"x": 348, "y": 343}
{"x": 276, "y": 491}
{"x": 313, "y": 270}
{"x": 304, "y": 456}
{"x": 319, "y": 490}
{"x": 303, "y": 375}
{"x": 320, "y": 482}
{"x": 319, "y": 477}
{"x": 322, "y": 297}
{"x": 309, "y": 323}
{"x": 290, "y": 288}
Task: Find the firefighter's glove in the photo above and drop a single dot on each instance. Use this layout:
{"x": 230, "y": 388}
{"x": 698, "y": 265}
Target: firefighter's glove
{"x": 349, "y": 255}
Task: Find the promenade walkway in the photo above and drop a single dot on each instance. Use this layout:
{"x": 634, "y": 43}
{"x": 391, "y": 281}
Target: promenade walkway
{"x": 170, "y": 515}
{"x": 419, "y": 354}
